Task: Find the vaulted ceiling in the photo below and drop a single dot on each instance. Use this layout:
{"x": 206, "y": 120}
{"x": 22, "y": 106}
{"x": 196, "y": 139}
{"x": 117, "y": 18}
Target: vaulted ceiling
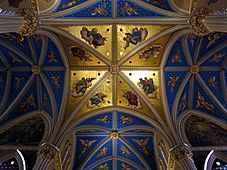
{"x": 114, "y": 84}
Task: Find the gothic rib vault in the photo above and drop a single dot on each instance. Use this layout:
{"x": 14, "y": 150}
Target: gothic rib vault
{"x": 113, "y": 84}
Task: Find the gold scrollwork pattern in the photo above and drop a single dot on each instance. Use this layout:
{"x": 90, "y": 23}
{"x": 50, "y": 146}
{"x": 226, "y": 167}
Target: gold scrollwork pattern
{"x": 197, "y": 21}
{"x": 30, "y": 23}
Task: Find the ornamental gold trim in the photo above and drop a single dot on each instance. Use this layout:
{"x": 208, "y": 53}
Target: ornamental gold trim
{"x": 197, "y": 21}
{"x": 30, "y": 23}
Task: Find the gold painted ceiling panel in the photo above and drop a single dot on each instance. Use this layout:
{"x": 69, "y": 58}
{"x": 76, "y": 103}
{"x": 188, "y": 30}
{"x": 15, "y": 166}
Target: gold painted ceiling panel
{"x": 131, "y": 36}
{"x": 101, "y": 98}
{"x": 151, "y": 55}
{"x": 98, "y": 37}
{"x": 78, "y": 56}
{"x": 128, "y": 98}
{"x": 81, "y": 83}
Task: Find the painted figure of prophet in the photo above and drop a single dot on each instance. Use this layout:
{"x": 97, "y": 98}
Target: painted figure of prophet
{"x": 147, "y": 85}
{"x": 136, "y": 36}
{"x": 80, "y": 86}
{"x": 93, "y": 37}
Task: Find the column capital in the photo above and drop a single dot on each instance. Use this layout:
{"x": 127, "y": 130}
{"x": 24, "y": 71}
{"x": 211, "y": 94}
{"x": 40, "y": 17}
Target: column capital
{"x": 197, "y": 21}
{"x": 178, "y": 153}
{"x": 48, "y": 152}
{"x": 30, "y": 22}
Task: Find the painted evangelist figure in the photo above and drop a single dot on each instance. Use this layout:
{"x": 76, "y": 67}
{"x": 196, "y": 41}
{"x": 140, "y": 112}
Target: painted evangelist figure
{"x": 80, "y": 86}
{"x": 152, "y": 52}
{"x": 93, "y": 37}
{"x": 136, "y": 36}
{"x": 132, "y": 100}
{"x": 96, "y": 100}
{"x": 148, "y": 86}
{"x": 80, "y": 53}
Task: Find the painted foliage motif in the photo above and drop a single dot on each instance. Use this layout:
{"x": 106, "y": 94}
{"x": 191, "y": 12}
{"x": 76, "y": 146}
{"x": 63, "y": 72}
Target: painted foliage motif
{"x": 80, "y": 86}
{"x": 137, "y": 35}
{"x": 92, "y": 37}
{"x": 148, "y": 86}
{"x": 197, "y": 128}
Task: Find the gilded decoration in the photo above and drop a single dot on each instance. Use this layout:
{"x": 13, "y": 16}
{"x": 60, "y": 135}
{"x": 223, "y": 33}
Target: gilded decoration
{"x": 98, "y": 37}
{"x": 150, "y": 55}
{"x": 126, "y": 97}
{"x": 178, "y": 153}
{"x": 130, "y": 36}
{"x": 30, "y": 23}
{"x": 148, "y": 82}
{"x": 81, "y": 82}
{"x": 197, "y": 21}
{"x": 101, "y": 98}
{"x": 78, "y": 56}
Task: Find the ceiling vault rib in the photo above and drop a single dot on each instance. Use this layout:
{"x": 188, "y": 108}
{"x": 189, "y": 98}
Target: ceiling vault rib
{"x": 39, "y": 92}
{"x": 70, "y": 10}
{"x": 159, "y": 10}
{"x": 7, "y": 92}
{"x": 178, "y": 96}
{"x": 209, "y": 93}
{"x": 149, "y": 41}
{"x": 89, "y": 68}
{"x": 95, "y": 21}
{"x": 3, "y": 58}
{"x": 51, "y": 94}
{"x": 212, "y": 52}
{"x": 135, "y": 152}
{"x": 123, "y": 76}
{"x": 18, "y": 98}
{"x": 43, "y": 51}
{"x": 17, "y": 51}
{"x": 85, "y": 98}
{"x": 197, "y": 52}
{"x": 223, "y": 85}
{"x": 32, "y": 51}
{"x": 191, "y": 89}
{"x": 94, "y": 150}
{"x": 186, "y": 52}
{"x": 77, "y": 41}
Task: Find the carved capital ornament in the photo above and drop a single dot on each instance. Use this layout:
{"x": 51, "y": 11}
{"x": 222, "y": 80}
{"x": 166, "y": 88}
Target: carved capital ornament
{"x": 178, "y": 153}
{"x": 197, "y": 21}
{"x": 30, "y": 23}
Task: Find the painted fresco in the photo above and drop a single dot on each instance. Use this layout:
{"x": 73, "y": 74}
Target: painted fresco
{"x": 28, "y": 132}
{"x": 197, "y": 128}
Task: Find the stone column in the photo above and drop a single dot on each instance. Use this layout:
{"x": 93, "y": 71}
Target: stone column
{"x": 24, "y": 21}
{"x": 48, "y": 154}
{"x": 204, "y": 22}
{"x": 180, "y": 158}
